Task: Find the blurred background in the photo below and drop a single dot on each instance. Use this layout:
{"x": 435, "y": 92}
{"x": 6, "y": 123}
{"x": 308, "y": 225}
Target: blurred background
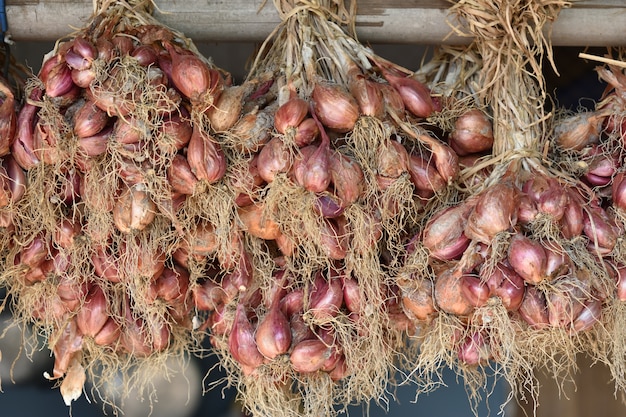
{"x": 27, "y": 393}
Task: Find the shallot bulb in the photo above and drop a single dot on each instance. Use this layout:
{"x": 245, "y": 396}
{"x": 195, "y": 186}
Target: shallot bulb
{"x": 306, "y": 132}
{"x": 415, "y": 95}
{"x": 56, "y": 76}
{"x": 326, "y": 296}
{"x": 290, "y": 114}
{"x": 618, "y": 191}
{"x": 310, "y": 355}
{"x": 273, "y": 333}
{"x": 208, "y": 295}
{"x": 22, "y": 148}
{"x": 180, "y": 176}
{"x": 335, "y": 107}
{"x": 475, "y": 291}
{"x": 528, "y": 258}
{"x": 600, "y": 229}
{"x": 241, "y": 341}
{"x": 257, "y": 222}
{"x": 352, "y": 297}
{"x": 134, "y": 209}
{"x": 425, "y": 177}
{"x": 227, "y": 110}
{"x": 392, "y": 159}
{"x": 347, "y": 178}
{"x": 473, "y": 133}
{"x": 334, "y": 237}
{"x": 573, "y": 216}
{"x": 495, "y": 212}
{"x": 588, "y": 316}
{"x": 534, "y": 308}
{"x": 417, "y": 298}
{"x": 367, "y": 94}
{"x": 474, "y": 350}
{"x": 274, "y": 158}
{"x": 93, "y": 315}
{"x": 89, "y": 120}
{"x": 444, "y": 235}
{"x": 507, "y": 285}
{"x": 549, "y": 196}
{"x": 601, "y": 167}
{"x": 566, "y": 300}
{"x": 205, "y": 157}
{"x": 449, "y": 294}
{"x": 193, "y": 77}
{"x": 15, "y": 181}
{"x": 311, "y": 167}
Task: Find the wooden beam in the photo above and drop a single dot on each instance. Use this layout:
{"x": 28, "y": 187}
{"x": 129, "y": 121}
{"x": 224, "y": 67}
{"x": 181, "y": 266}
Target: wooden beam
{"x": 587, "y": 23}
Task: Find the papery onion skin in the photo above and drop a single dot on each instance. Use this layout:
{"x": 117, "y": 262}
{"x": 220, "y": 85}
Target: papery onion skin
{"x": 227, "y": 109}
{"x": 417, "y": 298}
{"x": 134, "y": 210}
{"x": 578, "y": 131}
{"x": 449, "y": 295}
{"x": 257, "y": 222}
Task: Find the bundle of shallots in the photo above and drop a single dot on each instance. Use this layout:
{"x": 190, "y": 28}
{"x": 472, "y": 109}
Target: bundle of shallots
{"x": 12, "y": 176}
{"x": 514, "y": 273}
{"x": 327, "y": 184}
{"x": 125, "y": 184}
{"x": 590, "y": 145}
